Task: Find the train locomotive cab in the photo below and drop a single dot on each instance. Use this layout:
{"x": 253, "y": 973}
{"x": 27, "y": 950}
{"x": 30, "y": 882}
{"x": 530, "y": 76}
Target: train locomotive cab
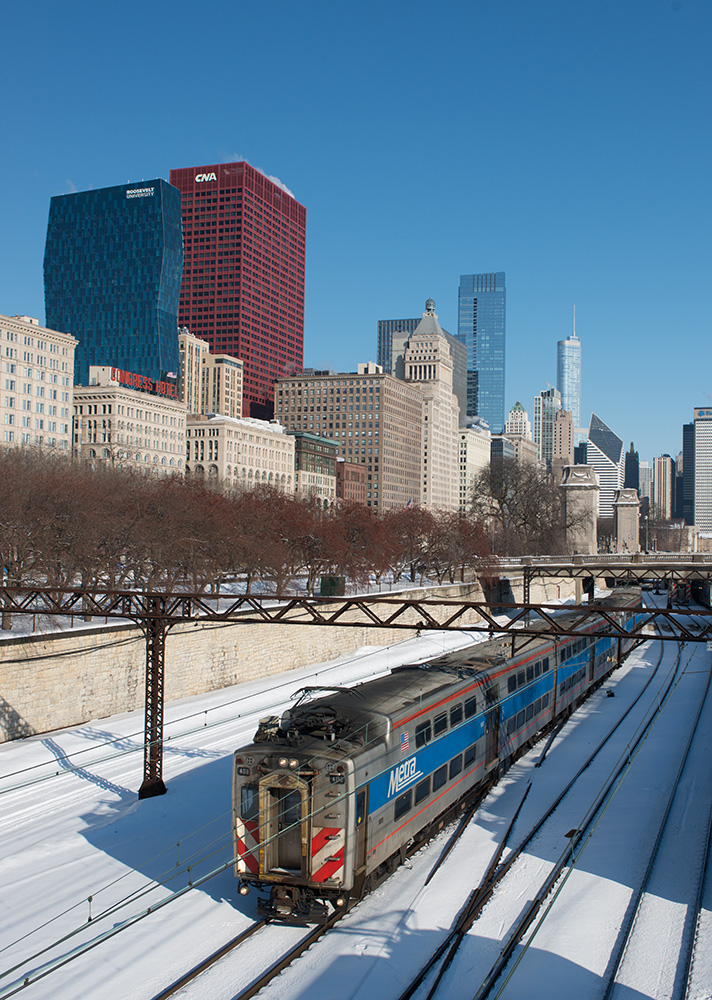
{"x": 293, "y": 804}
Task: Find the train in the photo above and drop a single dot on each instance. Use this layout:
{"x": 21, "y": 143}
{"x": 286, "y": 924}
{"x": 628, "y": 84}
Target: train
{"x": 330, "y": 798}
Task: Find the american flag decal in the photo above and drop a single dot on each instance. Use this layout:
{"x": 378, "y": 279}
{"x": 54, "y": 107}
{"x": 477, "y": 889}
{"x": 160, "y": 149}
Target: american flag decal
{"x": 404, "y": 742}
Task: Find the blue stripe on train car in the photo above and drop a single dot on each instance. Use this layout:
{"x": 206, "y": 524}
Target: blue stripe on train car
{"x": 413, "y": 769}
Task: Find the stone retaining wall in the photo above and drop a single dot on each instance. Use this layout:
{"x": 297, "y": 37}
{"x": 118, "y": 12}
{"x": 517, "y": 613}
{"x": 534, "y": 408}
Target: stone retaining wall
{"x": 60, "y": 679}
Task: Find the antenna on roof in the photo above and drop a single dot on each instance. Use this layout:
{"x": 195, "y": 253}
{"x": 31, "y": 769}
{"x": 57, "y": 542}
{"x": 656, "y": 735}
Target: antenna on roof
{"x": 574, "y": 321}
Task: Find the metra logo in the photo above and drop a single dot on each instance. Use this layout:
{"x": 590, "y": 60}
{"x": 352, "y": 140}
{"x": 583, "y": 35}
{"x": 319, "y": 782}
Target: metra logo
{"x": 403, "y": 775}
{"x": 205, "y": 177}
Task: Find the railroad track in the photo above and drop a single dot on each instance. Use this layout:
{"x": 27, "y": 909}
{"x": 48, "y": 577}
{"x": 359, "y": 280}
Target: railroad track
{"x": 430, "y": 976}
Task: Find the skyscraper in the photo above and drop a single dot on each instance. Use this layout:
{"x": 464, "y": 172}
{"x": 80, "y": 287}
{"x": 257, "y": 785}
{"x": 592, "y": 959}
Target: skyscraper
{"x": 393, "y": 337}
{"x": 546, "y": 406}
{"x": 568, "y": 377}
{"x": 112, "y": 272}
{"x": 703, "y": 468}
{"x": 605, "y": 453}
{"x": 663, "y": 487}
{"x": 481, "y": 327}
{"x": 631, "y": 470}
{"x": 688, "y": 473}
{"x": 243, "y": 279}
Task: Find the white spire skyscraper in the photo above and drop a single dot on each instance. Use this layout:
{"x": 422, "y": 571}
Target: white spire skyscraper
{"x": 568, "y": 378}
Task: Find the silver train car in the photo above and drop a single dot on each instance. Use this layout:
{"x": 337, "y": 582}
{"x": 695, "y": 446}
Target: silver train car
{"x": 329, "y": 798}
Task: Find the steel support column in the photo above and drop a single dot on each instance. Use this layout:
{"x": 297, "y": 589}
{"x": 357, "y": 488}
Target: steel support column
{"x": 155, "y": 628}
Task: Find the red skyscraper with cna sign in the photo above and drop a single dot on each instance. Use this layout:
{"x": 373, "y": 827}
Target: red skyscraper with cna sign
{"x": 243, "y": 276}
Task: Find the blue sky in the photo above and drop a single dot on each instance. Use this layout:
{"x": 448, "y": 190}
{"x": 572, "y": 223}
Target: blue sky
{"x": 566, "y": 144}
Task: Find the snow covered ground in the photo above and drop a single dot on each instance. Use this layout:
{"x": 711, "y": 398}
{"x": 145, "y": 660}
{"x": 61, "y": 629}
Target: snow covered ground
{"x": 75, "y": 843}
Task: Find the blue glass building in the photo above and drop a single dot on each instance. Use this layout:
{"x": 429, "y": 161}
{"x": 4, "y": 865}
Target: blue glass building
{"x": 481, "y": 327}
{"x": 113, "y": 267}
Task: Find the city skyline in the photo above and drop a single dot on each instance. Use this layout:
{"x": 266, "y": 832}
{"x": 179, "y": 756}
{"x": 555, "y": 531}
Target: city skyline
{"x": 585, "y": 186}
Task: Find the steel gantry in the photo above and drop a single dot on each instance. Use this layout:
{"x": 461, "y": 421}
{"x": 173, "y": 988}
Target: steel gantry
{"x": 157, "y": 612}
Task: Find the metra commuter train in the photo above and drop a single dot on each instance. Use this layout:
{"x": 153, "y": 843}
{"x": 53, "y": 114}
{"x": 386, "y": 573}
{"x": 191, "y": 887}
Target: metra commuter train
{"x": 328, "y": 799}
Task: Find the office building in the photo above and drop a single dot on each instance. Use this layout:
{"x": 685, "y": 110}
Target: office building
{"x": 112, "y": 275}
{"x": 428, "y": 362}
{"x": 632, "y": 470}
{"x": 239, "y": 453}
{"x": 315, "y": 467}
{"x": 562, "y": 441}
{"x": 38, "y": 376}
{"x": 502, "y": 449}
{"x": 481, "y": 327}
{"x": 703, "y": 468}
{"x": 475, "y": 442}
{"x": 120, "y": 420}
{"x": 645, "y": 477}
{"x": 688, "y": 473}
{"x": 546, "y": 406}
{"x": 243, "y": 278}
{"x": 605, "y": 454}
{"x": 351, "y": 482}
{"x": 518, "y": 423}
{"x": 663, "y": 499}
{"x": 375, "y": 419}
{"x": 209, "y": 383}
{"x": 568, "y": 378}
{"x": 393, "y": 336}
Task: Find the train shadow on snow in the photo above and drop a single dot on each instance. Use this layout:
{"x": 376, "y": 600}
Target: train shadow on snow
{"x": 176, "y": 838}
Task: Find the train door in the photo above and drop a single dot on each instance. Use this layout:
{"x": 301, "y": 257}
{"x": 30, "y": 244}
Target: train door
{"x": 361, "y": 828}
{"x": 491, "y": 726}
{"x": 284, "y": 810}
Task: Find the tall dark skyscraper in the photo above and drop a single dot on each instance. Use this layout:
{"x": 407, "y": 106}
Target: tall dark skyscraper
{"x": 688, "y": 473}
{"x": 243, "y": 278}
{"x": 112, "y": 271}
{"x": 481, "y": 326}
{"x": 631, "y": 476}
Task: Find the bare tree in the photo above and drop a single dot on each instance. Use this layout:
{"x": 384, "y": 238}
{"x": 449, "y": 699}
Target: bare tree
{"x": 524, "y": 506}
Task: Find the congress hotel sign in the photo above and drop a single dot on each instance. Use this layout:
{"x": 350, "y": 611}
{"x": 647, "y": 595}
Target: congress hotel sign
{"x": 134, "y": 381}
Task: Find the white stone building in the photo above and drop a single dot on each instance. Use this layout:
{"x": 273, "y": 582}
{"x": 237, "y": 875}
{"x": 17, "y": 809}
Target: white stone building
{"x": 428, "y": 362}
{"x": 37, "y": 384}
{"x": 118, "y": 423}
{"x": 240, "y": 452}
{"x": 475, "y": 442}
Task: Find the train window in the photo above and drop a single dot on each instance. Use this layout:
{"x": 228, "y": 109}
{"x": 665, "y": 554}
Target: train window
{"x": 537, "y": 706}
{"x": 545, "y": 664}
{"x": 250, "y": 803}
{"x": 440, "y": 724}
{"x": 455, "y": 765}
{"x": 471, "y": 752}
{"x": 423, "y": 734}
{"x": 530, "y": 712}
{"x": 470, "y": 707}
{"x": 422, "y": 790}
{"x": 562, "y": 687}
{"x": 403, "y": 804}
{"x": 512, "y": 683}
{"x": 537, "y": 669}
{"x": 520, "y": 679}
{"x": 520, "y": 719}
{"x": 440, "y": 777}
{"x": 530, "y": 674}
{"x": 544, "y": 700}
{"x": 511, "y": 725}
{"x": 455, "y": 716}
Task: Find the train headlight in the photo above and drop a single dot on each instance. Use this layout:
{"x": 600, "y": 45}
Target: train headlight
{"x": 293, "y": 763}
{"x": 283, "y": 762}
{"x": 244, "y": 890}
